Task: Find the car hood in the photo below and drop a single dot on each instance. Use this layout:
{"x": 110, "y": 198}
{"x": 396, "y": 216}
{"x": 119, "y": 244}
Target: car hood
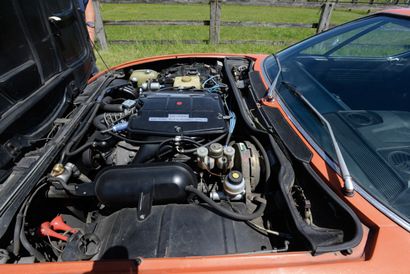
{"x": 45, "y": 60}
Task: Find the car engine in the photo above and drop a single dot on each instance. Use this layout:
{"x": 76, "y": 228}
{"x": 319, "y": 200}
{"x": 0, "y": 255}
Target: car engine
{"x": 184, "y": 126}
{"x": 166, "y": 163}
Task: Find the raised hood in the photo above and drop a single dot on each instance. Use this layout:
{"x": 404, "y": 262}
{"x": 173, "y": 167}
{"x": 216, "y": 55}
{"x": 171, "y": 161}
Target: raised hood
{"x": 46, "y": 59}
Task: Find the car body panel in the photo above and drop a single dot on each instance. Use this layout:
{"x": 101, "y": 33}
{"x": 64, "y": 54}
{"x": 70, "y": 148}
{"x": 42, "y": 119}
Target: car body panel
{"x": 384, "y": 245}
{"x": 405, "y": 12}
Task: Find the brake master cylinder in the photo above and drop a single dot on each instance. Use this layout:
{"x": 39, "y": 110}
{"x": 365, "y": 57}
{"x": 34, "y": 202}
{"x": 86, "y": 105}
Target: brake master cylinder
{"x": 216, "y": 154}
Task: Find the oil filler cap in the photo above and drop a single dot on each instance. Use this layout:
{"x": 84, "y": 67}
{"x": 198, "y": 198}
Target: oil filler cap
{"x": 186, "y": 79}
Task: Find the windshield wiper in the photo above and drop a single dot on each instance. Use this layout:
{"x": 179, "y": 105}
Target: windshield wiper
{"x": 348, "y": 187}
{"x": 275, "y": 81}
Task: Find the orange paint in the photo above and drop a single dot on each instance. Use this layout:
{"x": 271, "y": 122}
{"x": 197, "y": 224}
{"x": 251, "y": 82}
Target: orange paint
{"x": 399, "y": 11}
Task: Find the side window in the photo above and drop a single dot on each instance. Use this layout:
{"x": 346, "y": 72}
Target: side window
{"x": 325, "y": 46}
{"x": 387, "y": 40}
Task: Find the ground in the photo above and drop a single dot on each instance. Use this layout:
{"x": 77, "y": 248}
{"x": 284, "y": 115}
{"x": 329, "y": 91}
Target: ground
{"x": 121, "y": 53}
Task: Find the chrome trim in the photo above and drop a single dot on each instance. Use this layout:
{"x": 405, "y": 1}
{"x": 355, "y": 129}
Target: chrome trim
{"x": 396, "y": 218}
{"x": 385, "y": 210}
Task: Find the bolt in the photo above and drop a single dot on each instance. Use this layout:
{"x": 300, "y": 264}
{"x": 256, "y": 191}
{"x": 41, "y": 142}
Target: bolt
{"x": 347, "y": 252}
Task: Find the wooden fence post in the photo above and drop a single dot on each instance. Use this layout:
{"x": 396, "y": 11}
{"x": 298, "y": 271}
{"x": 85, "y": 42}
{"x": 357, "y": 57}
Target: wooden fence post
{"x": 99, "y": 26}
{"x": 215, "y": 21}
{"x": 325, "y": 15}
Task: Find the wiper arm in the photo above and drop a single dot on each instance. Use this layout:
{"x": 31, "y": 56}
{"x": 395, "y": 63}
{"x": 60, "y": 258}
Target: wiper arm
{"x": 275, "y": 81}
{"x": 348, "y": 188}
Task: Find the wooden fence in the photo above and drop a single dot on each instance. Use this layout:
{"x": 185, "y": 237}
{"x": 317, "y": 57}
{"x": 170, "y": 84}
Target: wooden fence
{"x": 359, "y": 4}
{"x": 214, "y": 23}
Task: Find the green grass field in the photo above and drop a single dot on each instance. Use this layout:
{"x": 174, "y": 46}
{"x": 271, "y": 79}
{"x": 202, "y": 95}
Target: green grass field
{"x": 121, "y": 53}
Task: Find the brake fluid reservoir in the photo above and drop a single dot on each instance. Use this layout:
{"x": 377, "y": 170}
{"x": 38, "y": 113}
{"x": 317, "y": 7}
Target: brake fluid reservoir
{"x": 234, "y": 183}
{"x": 143, "y": 75}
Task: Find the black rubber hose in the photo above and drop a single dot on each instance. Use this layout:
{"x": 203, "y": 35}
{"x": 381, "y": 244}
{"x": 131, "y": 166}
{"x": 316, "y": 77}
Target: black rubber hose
{"x": 151, "y": 152}
{"x": 88, "y": 123}
{"x": 98, "y": 122}
{"x": 80, "y": 149}
{"x": 83, "y": 130}
{"x": 145, "y": 153}
{"x": 198, "y": 144}
{"x": 187, "y": 140}
{"x": 107, "y": 106}
{"x": 160, "y": 155}
{"x": 163, "y": 143}
{"x": 112, "y": 107}
{"x": 33, "y": 252}
{"x": 228, "y": 138}
{"x": 131, "y": 141}
{"x": 23, "y": 239}
{"x": 106, "y": 100}
{"x": 265, "y": 158}
{"x": 228, "y": 213}
{"x": 160, "y": 150}
{"x": 17, "y": 228}
{"x": 16, "y": 236}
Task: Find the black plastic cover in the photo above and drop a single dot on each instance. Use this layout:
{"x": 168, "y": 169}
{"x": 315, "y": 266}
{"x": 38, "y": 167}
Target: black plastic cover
{"x": 291, "y": 140}
{"x": 128, "y": 186}
{"x": 176, "y": 231}
{"x": 171, "y": 114}
{"x": 340, "y": 229}
{"x": 257, "y": 84}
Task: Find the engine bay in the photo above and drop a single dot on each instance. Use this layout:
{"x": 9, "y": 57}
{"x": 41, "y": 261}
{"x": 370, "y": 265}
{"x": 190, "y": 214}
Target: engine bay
{"x": 174, "y": 159}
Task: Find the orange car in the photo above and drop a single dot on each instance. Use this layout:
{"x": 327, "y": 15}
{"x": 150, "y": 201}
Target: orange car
{"x": 295, "y": 162}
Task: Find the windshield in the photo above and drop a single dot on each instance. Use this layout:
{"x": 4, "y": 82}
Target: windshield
{"x": 356, "y": 76}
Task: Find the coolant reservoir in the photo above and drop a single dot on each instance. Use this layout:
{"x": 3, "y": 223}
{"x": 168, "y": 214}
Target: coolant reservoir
{"x": 143, "y": 76}
{"x": 187, "y": 81}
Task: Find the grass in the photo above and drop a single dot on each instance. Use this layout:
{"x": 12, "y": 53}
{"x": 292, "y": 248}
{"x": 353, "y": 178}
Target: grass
{"x": 201, "y": 33}
{"x": 121, "y": 53}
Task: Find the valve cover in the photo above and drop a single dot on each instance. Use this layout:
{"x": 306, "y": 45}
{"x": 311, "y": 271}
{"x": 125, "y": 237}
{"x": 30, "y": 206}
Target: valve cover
{"x": 172, "y": 114}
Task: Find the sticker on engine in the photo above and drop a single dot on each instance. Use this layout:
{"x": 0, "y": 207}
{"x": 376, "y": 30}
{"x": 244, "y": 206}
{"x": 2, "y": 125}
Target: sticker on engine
{"x": 178, "y": 118}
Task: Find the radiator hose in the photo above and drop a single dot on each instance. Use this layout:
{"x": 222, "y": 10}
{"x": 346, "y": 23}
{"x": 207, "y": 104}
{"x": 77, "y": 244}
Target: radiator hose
{"x": 228, "y": 213}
